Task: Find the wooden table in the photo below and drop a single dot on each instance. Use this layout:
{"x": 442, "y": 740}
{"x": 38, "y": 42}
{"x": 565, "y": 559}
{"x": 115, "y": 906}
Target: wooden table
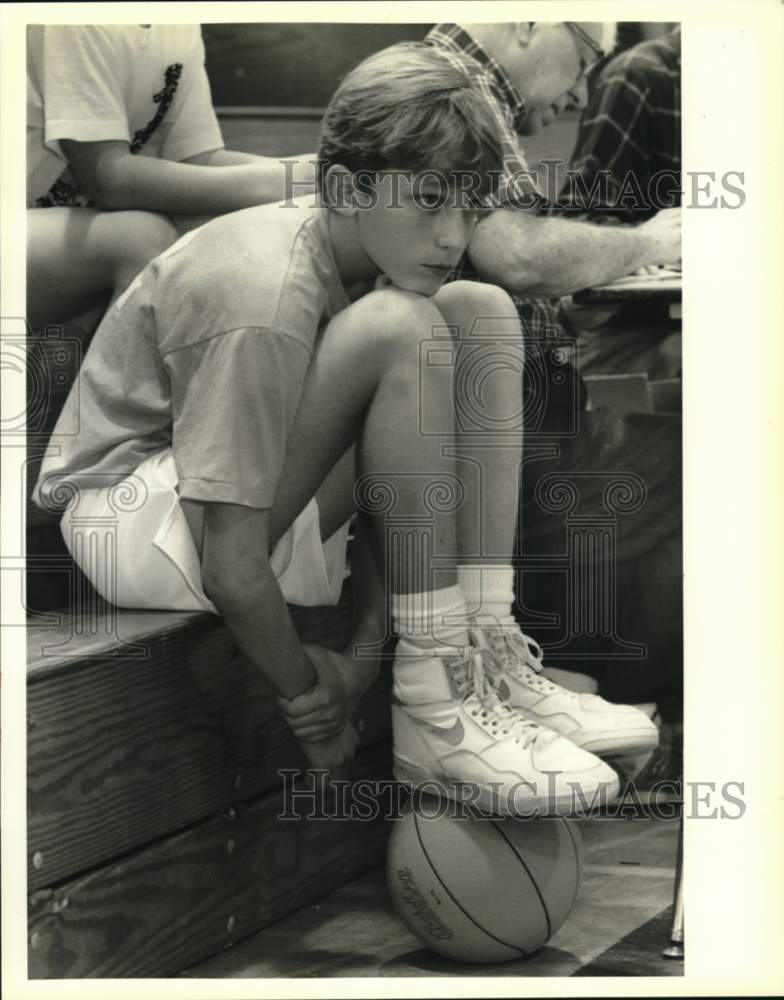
{"x": 659, "y": 289}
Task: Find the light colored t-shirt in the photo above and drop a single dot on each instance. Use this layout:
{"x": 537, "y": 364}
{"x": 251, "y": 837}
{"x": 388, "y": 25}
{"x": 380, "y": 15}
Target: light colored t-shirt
{"x": 146, "y": 86}
{"x": 207, "y": 351}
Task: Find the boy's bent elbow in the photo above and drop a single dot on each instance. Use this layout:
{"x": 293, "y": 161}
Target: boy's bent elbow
{"x": 233, "y": 591}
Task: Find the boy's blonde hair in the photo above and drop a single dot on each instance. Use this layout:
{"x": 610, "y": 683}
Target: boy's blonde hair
{"x": 412, "y": 108}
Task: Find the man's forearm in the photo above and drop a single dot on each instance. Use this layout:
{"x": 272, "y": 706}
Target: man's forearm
{"x": 535, "y": 255}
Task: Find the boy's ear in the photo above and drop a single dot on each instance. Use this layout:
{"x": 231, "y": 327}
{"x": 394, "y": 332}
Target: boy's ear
{"x": 523, "y": 31}
{"x": 339, "y": 189}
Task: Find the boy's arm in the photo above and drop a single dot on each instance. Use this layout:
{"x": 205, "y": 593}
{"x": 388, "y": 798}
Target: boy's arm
{"x": 529, "y": 254}
{"x": 237, "y": 577}
{"x": 114, "y": 178}
{"x": 358, "y": 665}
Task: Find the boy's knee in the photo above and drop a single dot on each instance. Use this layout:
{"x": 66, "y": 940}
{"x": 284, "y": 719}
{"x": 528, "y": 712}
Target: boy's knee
{"x": 463, "y": 303}
{"x": 394, "y": 320}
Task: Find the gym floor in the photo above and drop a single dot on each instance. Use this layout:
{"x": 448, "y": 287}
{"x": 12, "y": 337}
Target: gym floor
{"x": 618, "y": 927}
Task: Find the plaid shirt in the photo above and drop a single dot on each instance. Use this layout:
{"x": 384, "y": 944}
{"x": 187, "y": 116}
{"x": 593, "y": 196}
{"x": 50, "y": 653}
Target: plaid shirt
{"x": 631, "y": 128}
{"x": 540, "y": 317}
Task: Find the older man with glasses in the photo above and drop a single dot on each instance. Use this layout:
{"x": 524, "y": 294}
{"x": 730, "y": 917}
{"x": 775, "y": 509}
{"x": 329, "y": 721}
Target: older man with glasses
{"x": 532, "y": 72}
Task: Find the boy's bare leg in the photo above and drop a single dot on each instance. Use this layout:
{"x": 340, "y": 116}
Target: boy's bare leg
{"x": 365, "y": 382}
{"x": 363, "y": 386}
{"x": 488, "y": 373}
{"x": 489, "y": 446}
{"x": 78, "y": 258}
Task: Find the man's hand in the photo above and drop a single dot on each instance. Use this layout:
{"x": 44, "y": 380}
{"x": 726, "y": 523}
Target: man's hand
{"x": 663, "y": 236}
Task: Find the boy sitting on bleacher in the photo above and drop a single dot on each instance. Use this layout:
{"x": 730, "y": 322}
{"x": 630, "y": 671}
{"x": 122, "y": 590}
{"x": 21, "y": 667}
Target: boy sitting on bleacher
{"x": 255, "y": 386}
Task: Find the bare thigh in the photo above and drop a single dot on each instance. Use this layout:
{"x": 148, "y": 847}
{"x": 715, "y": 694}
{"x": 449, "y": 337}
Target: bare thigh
{"x": 356, "y": 350}
{"x": 78, "y": 258}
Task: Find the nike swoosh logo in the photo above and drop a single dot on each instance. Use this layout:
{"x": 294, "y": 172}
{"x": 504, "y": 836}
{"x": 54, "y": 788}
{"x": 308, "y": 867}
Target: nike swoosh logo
{"x": 449, "y": 734}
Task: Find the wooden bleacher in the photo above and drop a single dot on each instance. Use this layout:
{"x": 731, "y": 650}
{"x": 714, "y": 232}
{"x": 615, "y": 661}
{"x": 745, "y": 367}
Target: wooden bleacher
{"x": 153, "y": 792}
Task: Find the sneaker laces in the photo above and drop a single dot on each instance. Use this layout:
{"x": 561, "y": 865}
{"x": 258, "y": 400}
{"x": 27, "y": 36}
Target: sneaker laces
{"x": 480, "y": 698}
{"x": 520, "y": 655}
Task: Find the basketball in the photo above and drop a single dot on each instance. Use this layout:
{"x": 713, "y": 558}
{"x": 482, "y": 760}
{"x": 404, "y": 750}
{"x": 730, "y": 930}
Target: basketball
{"x": 478, "y": 889}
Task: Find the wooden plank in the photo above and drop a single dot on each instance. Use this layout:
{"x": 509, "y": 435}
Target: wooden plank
{"x": 184, "y": 899}
{"x": 261, "y": 112}
{"x": 122, "y": 751}
{"x": 105, "y": 633}
{"x": 665, "y": 285}
{"x": 111, "y": 769}
{"x": 110, "y": 633}
{"x": 619, "y": 393}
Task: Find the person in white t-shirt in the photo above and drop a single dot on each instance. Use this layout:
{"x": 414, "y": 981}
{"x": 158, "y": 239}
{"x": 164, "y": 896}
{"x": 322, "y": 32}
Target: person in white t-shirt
{"x": 121, "y": 135}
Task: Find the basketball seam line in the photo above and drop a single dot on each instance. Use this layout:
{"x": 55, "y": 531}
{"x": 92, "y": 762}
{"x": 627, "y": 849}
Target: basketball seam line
{"x": 578, "y": 860}
{"x": 521, "y": 859}
{"x": 514, "y": 947}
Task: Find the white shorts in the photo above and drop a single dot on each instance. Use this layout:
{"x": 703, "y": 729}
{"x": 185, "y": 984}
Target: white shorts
{"x": 133, "y": 544}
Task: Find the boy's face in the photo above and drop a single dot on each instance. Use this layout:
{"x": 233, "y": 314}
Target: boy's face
{"x": 405, "y": 233}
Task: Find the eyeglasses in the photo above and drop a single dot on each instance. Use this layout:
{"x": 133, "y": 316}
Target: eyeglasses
{"x": 596, "y": 50}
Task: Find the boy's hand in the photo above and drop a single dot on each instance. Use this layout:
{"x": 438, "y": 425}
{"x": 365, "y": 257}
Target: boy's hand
{"x": 322, "y": 712}
{"x": 333, "y": 754}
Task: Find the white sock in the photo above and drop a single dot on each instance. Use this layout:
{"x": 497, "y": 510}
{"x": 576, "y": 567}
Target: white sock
{"x": 489, "y": 593}
{"x": 433, "y": 619}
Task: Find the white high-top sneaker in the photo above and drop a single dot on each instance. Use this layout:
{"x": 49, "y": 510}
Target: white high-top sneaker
{"x": 590, "y": 722}
{"x": 450, "y": 727}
